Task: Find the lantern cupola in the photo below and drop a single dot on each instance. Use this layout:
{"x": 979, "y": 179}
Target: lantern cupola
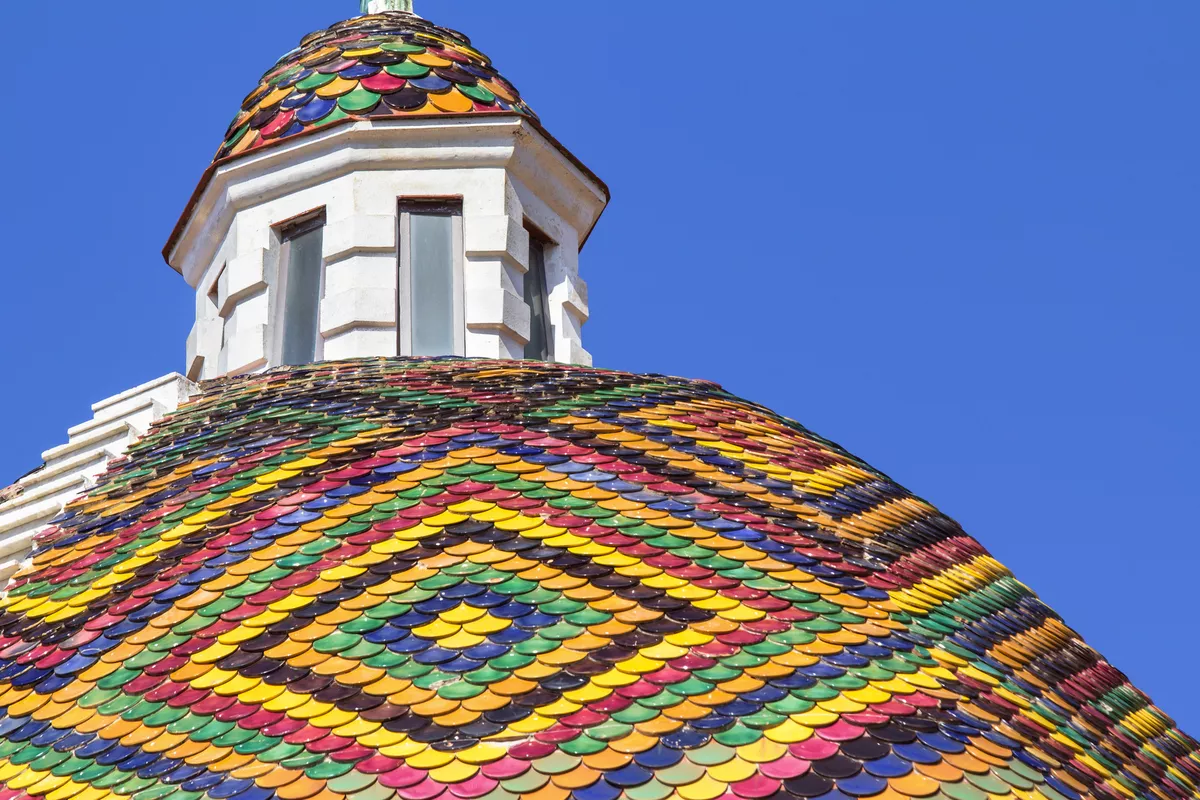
{"x": 385, "y": 191}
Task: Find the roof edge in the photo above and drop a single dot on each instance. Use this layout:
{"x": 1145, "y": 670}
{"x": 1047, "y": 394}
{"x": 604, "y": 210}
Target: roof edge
{"x": 206, "y": 178}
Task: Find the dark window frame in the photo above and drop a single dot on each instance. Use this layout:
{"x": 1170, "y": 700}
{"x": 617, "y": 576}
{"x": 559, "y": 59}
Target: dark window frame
{"x": 288, "y": 232}
{"x": 407, "y": 208}
{"x": 539, "y": 347}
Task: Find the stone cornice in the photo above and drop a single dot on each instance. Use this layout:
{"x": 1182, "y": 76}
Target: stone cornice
{"x": 513, "y": 143}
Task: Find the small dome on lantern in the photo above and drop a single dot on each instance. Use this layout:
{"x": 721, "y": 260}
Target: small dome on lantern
{"x": 387, "y": 64}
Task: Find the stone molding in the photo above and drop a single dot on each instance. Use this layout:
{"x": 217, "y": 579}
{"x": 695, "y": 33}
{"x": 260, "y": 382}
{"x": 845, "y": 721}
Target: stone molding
{"x": 72, "y": 468}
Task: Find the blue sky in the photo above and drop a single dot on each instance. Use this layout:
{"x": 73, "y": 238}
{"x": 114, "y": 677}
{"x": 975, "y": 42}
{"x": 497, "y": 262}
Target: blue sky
{"x": 957, "y": 238}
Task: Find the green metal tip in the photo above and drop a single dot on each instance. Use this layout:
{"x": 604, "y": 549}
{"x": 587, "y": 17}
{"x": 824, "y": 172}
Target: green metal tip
{"x": 375, "y": 6}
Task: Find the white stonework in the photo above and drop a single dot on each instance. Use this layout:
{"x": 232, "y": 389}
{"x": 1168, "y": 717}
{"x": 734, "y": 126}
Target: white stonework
{"x": 71, "y": 468}
{"x": 505, "y": 172}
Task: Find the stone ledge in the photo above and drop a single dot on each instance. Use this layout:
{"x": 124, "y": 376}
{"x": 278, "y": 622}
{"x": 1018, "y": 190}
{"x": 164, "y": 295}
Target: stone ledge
{"x": 357, "y": 308}
{"x": 497, "y": 310}
{"x": 362, "y": 233}
{"x": 244, "y": 276}
{"x": 72, "y": 468}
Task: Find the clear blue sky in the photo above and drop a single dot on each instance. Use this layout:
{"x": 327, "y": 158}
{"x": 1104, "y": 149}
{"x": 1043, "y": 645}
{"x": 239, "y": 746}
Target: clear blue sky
{"x": 958, "y": 238}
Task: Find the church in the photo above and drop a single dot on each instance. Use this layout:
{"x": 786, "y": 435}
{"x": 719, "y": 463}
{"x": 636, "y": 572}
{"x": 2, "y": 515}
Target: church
{"x": 389, "y": 535}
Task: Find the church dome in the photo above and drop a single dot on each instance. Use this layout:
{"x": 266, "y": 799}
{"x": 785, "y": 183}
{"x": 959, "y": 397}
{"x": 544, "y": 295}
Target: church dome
{"x": 391, "y": 64}
{"x": 419, "y": 579}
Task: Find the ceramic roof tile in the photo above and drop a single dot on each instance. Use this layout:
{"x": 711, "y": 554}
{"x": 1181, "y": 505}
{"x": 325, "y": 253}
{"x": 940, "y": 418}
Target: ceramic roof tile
{"x": 420, "y": 579}
{"x": 392, "y": 64}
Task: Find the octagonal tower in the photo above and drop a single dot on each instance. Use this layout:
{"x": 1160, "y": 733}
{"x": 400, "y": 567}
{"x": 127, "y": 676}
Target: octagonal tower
{"x": 385, "y": 191}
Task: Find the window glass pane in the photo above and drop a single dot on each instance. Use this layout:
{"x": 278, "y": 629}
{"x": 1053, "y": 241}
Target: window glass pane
{"x": 431, "y": 258}
{"x": 302, "y": 297}
{"x": 535, "y": 297}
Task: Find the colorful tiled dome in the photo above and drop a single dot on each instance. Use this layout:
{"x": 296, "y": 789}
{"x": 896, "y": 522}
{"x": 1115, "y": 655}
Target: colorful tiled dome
{"x": 497, "y": 580}
{"x": 384, "y": 65}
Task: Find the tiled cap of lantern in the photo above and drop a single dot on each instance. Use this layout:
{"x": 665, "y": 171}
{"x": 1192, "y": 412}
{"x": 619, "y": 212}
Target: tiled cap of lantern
{"x": 420, "y": 579}
{"x": 391, "y": 64}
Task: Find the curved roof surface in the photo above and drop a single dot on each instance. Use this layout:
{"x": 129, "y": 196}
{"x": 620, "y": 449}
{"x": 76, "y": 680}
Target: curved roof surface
{"x": 476, "y": 579}
{"x": 384, "y": 65}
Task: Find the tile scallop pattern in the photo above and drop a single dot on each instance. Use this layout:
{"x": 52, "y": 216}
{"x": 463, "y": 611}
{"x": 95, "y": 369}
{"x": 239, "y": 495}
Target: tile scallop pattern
{"x": 392, "y": 64}
{"x": 481, "y": 580}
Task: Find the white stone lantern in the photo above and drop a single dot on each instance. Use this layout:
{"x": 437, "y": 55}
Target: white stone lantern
{"x": 393, "y": 234}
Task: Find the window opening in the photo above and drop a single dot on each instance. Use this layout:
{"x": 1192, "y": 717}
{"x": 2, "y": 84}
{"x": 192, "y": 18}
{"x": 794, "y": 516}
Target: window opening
{"x": 539, "y": 344}
{"x": 430, "y": 297}
{"x": 301, "y": 290}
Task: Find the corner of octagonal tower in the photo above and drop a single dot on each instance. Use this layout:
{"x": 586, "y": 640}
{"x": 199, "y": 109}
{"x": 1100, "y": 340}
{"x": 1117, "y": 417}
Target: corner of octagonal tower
{"x": 389, "y": 233}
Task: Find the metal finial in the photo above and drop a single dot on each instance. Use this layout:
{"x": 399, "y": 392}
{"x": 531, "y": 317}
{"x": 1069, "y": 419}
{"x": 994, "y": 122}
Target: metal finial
{"x": 377, "y": 6}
